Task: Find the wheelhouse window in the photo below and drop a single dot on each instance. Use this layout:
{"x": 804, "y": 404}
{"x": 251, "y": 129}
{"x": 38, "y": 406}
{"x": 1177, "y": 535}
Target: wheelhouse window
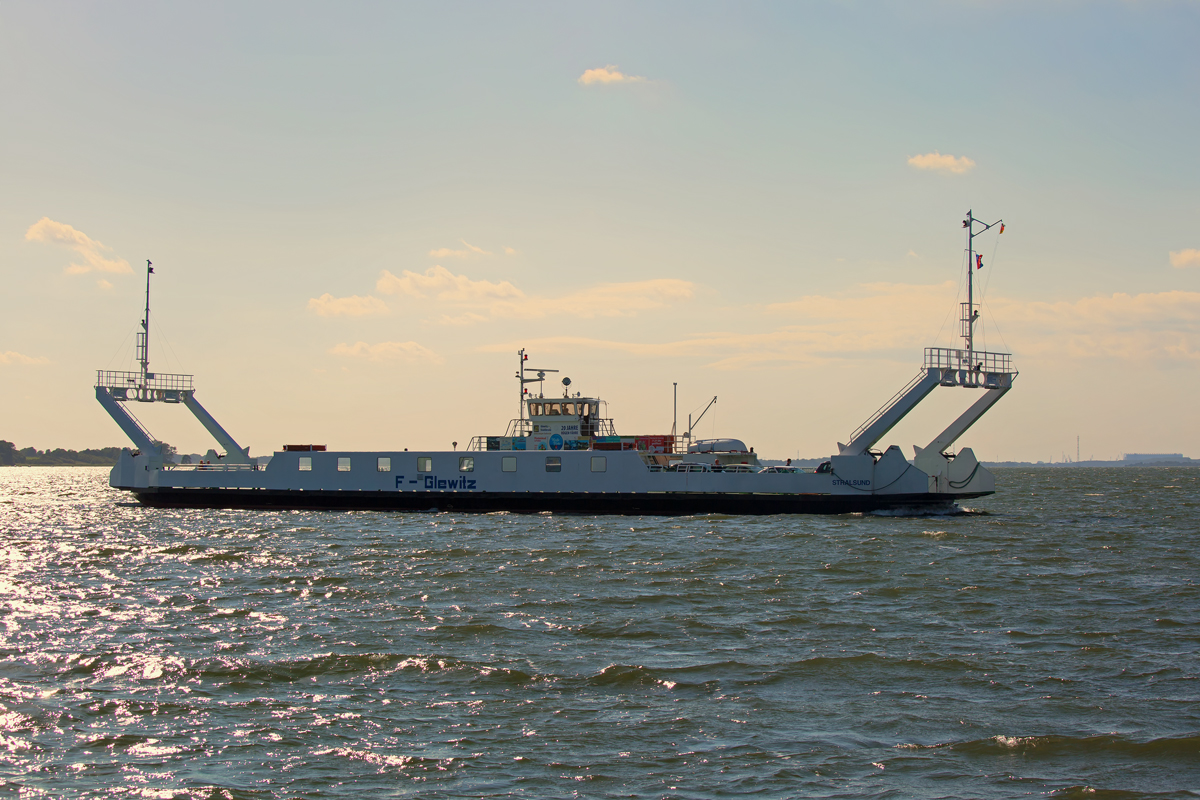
{"x": 306, "y": 463}
{"x": 535, "y": 409}
{"x": 554, "y": 409}
{"x": 343, "y": 464}
{"x": 466, "y": 464}
{"x": 568, "y": 409}
{"x": 383, "y": 464}
{"x": 508, "y": 464}
{"x": 424, "y": 464}
{"x": 599, "y": 464}
{"x": 553, "y": 463}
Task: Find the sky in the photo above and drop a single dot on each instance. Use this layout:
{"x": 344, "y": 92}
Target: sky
{"x": 358, "y": 213}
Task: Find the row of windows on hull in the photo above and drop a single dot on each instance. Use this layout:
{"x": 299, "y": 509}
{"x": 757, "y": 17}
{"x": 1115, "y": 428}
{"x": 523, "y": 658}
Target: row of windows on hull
{"x": 572, "y": 409}
{"x": 465, "y": 464}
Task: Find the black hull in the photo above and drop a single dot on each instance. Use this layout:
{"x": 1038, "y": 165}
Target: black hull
{"x": 657, "y": 504}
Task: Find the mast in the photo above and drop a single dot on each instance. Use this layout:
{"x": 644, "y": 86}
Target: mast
{"x": 971, "y": 285}
{"x": 970, "y": 313}
{"x": 675, "y": 410}
{"x": 143, "y": 338}
{"x": 521, "y": 384}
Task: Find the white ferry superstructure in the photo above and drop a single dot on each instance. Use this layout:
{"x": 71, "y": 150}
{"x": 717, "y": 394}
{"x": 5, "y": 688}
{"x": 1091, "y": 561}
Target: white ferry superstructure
{"x": 562, "y": 455}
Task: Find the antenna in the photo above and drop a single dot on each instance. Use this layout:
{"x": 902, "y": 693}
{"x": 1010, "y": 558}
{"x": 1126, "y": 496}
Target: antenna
{"x": 522, "y": 380}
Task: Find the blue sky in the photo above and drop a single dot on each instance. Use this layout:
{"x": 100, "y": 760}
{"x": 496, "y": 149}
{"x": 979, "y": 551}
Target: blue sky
{"x": 738, "y": 214}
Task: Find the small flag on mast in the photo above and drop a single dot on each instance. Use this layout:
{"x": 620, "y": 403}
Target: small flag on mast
{"x": 1001, "y": 227}
{"x": 979, "y": 261}
{"x": 149, "y": 267}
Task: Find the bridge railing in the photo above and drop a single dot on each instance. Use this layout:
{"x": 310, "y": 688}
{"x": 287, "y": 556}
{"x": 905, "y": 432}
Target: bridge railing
{"x": 154, "y": 381}
{"x": 972, "y": 360}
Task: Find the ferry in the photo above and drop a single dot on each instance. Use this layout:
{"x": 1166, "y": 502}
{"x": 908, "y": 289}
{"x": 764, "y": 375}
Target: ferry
{"x": 564, "y": 455}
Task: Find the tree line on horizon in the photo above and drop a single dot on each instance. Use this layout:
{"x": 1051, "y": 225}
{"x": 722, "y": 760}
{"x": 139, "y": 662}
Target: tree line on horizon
{"x": 10, "y": 456}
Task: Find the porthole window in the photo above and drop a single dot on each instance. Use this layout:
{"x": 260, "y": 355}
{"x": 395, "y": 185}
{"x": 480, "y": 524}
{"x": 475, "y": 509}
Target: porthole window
{"x": 306, "y": 463}
{"x": 508, "y": 464}
{"x": 553, "y": 463}
{"x": 599, "y": 464}
{"x": 424, "y": 464}
{"x": 466, "y": 464}
{"x": 343, "y": 464}
{"x": 383, "y": 464}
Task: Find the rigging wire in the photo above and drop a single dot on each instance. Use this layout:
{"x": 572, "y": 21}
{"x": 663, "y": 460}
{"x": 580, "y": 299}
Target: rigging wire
{"x": 987, "y": 281}
{"x": 120, "y": 348}
{"x": 997, "y": 327}
{"x": 957, "y": 300}
{"x": 163, "y": 337}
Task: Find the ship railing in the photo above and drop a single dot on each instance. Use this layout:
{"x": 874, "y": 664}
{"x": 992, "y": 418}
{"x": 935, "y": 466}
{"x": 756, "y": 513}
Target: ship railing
{"x": 155, "y": 381}
{"x": 678, "y": 444}
{"x": 981, "y": 362}
{"x": 883, "y": 409}
{"x": 971, "y": 360}
{"x": 212, "y": 467}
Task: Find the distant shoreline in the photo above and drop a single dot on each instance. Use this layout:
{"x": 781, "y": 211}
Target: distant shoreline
{"x": 10, "y": 456}
{"x": 1183, "y": 462}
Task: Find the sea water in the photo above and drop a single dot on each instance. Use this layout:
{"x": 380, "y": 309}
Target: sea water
{"x": 1043, "y": 642}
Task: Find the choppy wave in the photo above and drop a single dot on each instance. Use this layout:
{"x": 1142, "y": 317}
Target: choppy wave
{"x": 1042, "y": 642}
{"x": 1185, "y": 748}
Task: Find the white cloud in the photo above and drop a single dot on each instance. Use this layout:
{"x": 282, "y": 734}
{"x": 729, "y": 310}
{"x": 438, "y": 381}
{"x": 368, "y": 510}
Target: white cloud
{"x": 509, "y": 251}
{"x": 607, "y": 300}
{"x": 90, "y": 251}
{"x": 388, "y": 351}
{"x": 446, "y": 252}
{"x": 103, "y": 284}
{"x": 13, "y": 357}
{"x": 476, "y": 300}
{"x": 896, "y": 317}
{"x": 936, "y": 161}
{"x": 445, "y": 285}
{"x": 466, "y": 318}
{"x": 895, "y": 322}
{"x": 354, "y": 306}
{"x": 1163, "y": 326}
{"x": 1185, "y": 258}
{"x": 607, "y": 74}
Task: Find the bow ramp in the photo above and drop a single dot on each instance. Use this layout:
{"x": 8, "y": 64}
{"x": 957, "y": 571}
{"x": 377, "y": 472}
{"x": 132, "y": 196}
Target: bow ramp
{"x": 967, "y": 369}
{"x": 115, "y": 389}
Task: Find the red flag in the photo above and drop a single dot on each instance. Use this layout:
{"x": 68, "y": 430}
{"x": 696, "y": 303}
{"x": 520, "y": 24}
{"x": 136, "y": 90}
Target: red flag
{"x": 979, "y": 261}
{"x": 1002, "y": 227}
